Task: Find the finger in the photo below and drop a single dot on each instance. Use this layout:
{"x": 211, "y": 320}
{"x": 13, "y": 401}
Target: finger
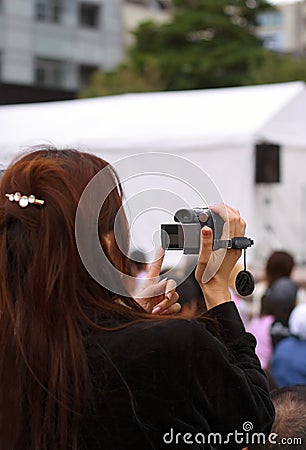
{"x": 205, "y": 252}
{"x": 165, "y": 288}
{"x": 155, "y": 268}
{"x": 166, "y": 303}
{"x": 206, "y": 245}
{"x": 174, "y": 309}
{"x": 170, "y": 287}
{"x": 153, "y": 290}
{"x": 234, "y": 224}
{"x": 221, "y": 210}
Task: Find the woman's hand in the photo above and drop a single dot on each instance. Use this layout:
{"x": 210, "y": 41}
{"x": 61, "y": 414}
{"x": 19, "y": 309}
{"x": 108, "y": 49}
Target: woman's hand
{"x": 158, "y": 297}
{"x": 212, "y": 272}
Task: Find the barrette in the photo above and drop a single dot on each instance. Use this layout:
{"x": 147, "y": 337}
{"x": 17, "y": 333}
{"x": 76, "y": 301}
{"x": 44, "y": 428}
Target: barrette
{"x": 24, "y": 200}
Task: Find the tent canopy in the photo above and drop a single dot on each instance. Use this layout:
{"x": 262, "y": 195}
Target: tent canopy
{"x": 215, "y": 129}
{"x": 165, "y": 121}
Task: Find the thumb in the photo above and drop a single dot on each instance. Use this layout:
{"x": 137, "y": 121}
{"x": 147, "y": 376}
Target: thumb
{"x": 205, "y": 252}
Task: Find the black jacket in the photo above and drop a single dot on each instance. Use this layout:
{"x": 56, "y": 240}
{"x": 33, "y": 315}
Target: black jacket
{"x": 172, "y": 384}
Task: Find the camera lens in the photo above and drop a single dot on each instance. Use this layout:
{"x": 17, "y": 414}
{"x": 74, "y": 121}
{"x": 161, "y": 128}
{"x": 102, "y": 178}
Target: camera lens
{"x": 203, "y": 217}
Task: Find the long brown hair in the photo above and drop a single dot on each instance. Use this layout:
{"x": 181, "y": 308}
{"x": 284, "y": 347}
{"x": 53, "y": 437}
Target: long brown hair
{"x": 48, "y": 301}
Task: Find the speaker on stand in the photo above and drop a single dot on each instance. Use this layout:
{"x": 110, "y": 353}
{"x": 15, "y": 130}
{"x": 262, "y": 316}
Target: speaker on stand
{"x": 267, "y": 163}
{"x": 267, "y": 175}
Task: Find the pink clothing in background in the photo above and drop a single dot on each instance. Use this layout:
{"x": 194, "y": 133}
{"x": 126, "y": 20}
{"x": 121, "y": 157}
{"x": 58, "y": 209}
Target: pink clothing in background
{"x": 260, "y": 328}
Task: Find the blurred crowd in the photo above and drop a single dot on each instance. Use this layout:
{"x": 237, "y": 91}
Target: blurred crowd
{"x": 275, "y": 314}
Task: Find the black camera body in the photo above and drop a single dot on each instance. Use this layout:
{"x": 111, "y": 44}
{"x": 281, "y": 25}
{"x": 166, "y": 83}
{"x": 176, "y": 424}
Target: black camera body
{"x": 185, "y": 235}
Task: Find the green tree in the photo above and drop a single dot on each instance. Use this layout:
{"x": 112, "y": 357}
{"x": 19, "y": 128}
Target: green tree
{"x": 124, "y": 79}
{"x": 208, "y": 43}
{"x": 277, "y": 68}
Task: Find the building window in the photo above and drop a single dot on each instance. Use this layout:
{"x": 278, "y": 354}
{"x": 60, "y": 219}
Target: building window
{"x": 49, "y": 73}
{"x": 48, "y": 10}
{"x": 154, "y": 4}
{"x": 85, "y": 74}
{"x": 89, "y": 15}
{"x": 270, "y": 19}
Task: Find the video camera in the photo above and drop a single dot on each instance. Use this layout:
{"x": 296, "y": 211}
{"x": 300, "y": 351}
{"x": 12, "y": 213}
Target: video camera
{"x": 185, "y": 235}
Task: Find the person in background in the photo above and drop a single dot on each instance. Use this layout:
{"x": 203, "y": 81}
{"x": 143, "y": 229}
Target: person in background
{"x": 281, "y": 299}
{"x": 289, "y": 427}
{"x": 279, "y": 264}
{"x": 260, "y": 327}
{"x": 288, "y": 365}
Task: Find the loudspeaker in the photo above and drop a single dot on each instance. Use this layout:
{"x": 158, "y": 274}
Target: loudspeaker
{"x": 267, "y": 163}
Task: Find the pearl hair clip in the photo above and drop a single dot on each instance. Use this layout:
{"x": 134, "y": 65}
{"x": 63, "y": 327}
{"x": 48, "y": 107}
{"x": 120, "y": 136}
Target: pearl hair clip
{"x": 24, "y": 200}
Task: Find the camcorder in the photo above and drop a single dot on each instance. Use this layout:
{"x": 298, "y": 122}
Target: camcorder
{"x": 185, "y": 235}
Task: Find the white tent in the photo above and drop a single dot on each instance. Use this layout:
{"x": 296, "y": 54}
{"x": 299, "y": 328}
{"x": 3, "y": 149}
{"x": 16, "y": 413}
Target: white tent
{"x": 216, "y": 129}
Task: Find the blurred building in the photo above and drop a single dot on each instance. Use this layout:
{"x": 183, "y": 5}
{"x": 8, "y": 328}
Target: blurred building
{"x": 284, "y": 30}
{"x": 138, "y": 11}
{"x": 50, "y": 48}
